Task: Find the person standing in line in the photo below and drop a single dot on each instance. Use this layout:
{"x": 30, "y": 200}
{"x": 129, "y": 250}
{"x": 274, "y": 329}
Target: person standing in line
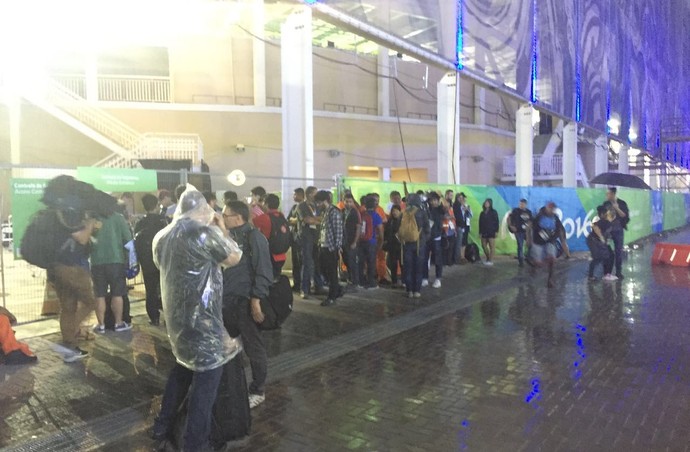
{"x": 164, "y": 201}
{"x": 488, "y": 229}
{"x": 244, "y": 286}
{"x": 391, "y": 243}
{"x": 618, "y": 226}
{"x": 370, "y": 242}
{"x": 413, "y": 234}
{"x": 330, "y": 243}
{"x": 189, "y": 253}
{"x": 434, "y": 251}
{"x": 463, "y": 221}
{"x": 296, "y": 247}
{"x": 144, "y": 232}
{"x": 519, "y": 223}
{"x": 309, "y": 223}
{"x": 265, "y": 224}
{"x": 256, "y": 206}
{"x": 352, "y": 232}
{"x": 72, "y": 280}
{"x": 109, "y": 270}
{"x": 381, "y": 267}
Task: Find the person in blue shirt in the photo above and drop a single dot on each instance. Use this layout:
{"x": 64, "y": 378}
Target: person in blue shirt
{"x": 370, "y": 242}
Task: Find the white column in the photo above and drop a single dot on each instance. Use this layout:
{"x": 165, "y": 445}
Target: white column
{"x": 479, "y": 105}
{"x": 91, "y": 78}
{"x": 14, "y": 106}
{"x": 384, "y": 83}
{"x": 624, "y": 160}
{"x": 601, "y": 155}
{"x": 298, "y": 100}
{"x": 646, "y": 174}
{"x": 448, "y": 129}
{"x": 259, "y": 52}
{"x": 570, "y": 155}
{"x": 524, "y": 146}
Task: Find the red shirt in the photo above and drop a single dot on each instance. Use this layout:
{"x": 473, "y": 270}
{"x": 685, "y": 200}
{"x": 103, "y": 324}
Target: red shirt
{"x": 263, "y": 224}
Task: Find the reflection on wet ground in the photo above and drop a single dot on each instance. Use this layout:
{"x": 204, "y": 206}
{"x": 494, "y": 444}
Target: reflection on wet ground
{"x": 492, "y": 361}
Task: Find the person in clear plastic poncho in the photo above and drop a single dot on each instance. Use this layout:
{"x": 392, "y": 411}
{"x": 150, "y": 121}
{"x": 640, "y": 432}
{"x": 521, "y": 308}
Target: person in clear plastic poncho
{"x": 189, "y": 253}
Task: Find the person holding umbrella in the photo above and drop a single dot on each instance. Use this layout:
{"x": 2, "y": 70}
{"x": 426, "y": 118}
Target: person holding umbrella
{"x": 619, "y": 224}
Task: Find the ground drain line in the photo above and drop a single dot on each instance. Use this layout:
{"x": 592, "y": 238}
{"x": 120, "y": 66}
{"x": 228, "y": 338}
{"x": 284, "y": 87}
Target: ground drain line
{"x": 99, "y": 432}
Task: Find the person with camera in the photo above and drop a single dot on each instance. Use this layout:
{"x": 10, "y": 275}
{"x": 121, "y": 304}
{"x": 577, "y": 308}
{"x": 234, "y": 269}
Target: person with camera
{"x": 519, "y": 223}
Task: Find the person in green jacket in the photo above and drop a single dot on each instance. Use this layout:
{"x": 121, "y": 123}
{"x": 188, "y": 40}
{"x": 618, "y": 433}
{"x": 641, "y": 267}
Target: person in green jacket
{"x": 108, "y": 269}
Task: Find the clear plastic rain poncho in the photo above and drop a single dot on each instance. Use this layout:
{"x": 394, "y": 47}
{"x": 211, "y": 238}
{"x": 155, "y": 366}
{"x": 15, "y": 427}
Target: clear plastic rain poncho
{"x": 188, "y": 253}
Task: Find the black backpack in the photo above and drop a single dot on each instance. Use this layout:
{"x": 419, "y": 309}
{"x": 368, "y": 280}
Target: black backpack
{"x": 280, "y": 239}
{"x": 39, "y": 243}
{"x": 143, "y": 243}
{"x": 278, "y": 306}
{"x": 472, "y": 252}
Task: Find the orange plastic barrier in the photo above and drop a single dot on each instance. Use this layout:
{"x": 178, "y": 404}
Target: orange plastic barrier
{"x": 671, "y": 254}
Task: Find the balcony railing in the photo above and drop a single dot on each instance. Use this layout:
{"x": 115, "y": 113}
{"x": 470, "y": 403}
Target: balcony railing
{"x": 545, "y": 168}
{"x": 121, "y": 88}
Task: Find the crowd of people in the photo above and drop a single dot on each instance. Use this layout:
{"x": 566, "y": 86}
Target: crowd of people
{"x": 206, "y": 269}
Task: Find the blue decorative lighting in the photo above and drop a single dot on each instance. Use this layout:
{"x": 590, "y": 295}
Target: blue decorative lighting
{"x": 459, "y": 43}
{"x": 535, "y": 42}
{"x": 310, "y": 2}
{"x": 578, "y": 66}
{"x": 608, "y": 107}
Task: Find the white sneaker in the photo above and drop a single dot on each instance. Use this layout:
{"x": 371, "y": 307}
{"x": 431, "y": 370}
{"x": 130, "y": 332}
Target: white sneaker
{"x": 70, "y": 355}
{"x": 417, "y": 295}
{"x": 124, "y": 326}
{"x": 425, "y": 283}
{"x": 489, "y": 264}
{"x": 610, "y": 278}
{"x": 99, "y": 329}
{"x": 255, "y": 400}
{"x": 410, "y": 294}
{"x": 437, "y": 284}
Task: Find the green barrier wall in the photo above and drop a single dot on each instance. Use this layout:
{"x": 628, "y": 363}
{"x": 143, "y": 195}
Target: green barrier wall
{"x": 649, "y": 211}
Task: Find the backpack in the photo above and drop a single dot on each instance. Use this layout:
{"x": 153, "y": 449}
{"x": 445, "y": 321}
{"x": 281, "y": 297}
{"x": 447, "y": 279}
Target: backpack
{"x": 367, "y": 227}
{"x": 409, "y": 230}
{"x": 472, "y": 252}
{"x": 280, "y": 238}
{"x": 143, "y": 243}
{"x": 278, "y": 306}
{"x": 39, "y": 243}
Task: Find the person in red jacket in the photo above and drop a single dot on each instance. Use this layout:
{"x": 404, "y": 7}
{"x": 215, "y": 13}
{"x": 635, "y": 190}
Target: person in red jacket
{"x": 263, "y": 224}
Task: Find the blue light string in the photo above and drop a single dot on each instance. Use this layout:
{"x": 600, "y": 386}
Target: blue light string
{"x": 578, "y": 65}
{"x": 533, "y": 87}
{"x": 459, "y": 40}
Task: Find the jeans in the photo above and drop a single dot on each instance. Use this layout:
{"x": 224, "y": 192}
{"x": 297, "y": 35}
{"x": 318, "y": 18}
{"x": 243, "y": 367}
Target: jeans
{"x": 457, "y": 249}
{"x": 297, "y": 263}
{"x": 254, "y": 347}
{"x": 413, "y": 265}
{"x": 449, "y": 253}
{"x": 393, "y": 260}
{"x": 605, "y": 258}
{"x": 309, "y": 270}
{"x": 152, "y": 284}
{"x": 367, "y": 257}
{"x": 351, "y": 257}
{"x": 618, "y": 241}
{"x": 329, "y": 267}
{"x": 201, "y": 389}
{"x": 434, "y": 250}
{"x": 521, "y": 236}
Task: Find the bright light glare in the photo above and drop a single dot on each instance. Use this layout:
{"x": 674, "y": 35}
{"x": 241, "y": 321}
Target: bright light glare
{"x": 614, "y": 125}
{"x": 34, "y": 33}
{"x": 632, "y": 135}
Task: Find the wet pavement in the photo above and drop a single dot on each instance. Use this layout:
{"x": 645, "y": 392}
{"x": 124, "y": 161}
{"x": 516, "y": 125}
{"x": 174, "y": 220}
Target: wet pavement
{"x": 492, "y": 361}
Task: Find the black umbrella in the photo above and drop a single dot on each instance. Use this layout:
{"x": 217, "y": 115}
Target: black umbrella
{"x": 620, "y": 180}
{"x": 68, "y": 194}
